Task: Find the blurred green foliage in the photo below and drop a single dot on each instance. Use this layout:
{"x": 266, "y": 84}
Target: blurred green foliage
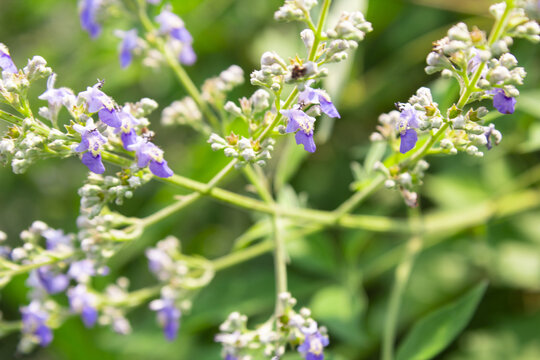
{"x": 343, "y": 275}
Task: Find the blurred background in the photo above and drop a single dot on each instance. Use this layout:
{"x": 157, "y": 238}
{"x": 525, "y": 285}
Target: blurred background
{"x": 343, "y": 275}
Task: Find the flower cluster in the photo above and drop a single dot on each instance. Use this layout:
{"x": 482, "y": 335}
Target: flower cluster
{"x": 275, "y": 73}
{"x": 242, "y": 148}
{"x": 270, "y": 340}
{"x": 170, "y": 29}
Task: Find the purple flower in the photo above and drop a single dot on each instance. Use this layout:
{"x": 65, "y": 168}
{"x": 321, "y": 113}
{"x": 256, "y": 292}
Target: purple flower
{"x": 504, "y": 104}
{"x": 408, "y": 122}
{"x": 34, "y": 319}
{"x": 82, "y": 270}
{"x": 52, "y": 281}
{"x": 310, "y": 96}
{"x": 314, "y": 344}
{"x": 168, "y": 316}
{"x": 149, "y": 154}
{"x": 83, "y": 302}
{"x": 154, "y": 2}
{"x": 171, "y": 24}
{"x": 88, "y": 10}
{"x": 91, "y": 140}
{"x": 302, "y": 124}
{"x": 128, "y": 45}
{"x": 128, "y": 134}
{"x": 96, "y": 99}
{"x": 57, "y": 97}
{"x": 6, "y": 63}
{"x": 56, "y": 239}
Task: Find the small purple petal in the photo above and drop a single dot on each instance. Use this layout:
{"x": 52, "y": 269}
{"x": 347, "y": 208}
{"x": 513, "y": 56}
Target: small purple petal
{"x": 89, "y": 316}
{"x": 187, "y": 55}
{"x": 110, "y": 117}
{"x": 306, "y": 140}
{"x": 328, "y": 107}
{"x": 504, "y": 104}
{"x": 88, "y": 17}
{"x": 53, "y": 283}
{"x": 129, "y": 43}
{"x": 44, "y": 334}
{"x": 6, "y": 63}
{"x": 160, "y": 169}
{"x": 93, "y": 163}
{"x": 408, "y": 140}
{"x": 128, "y": 138}
{"x": 182, "y": 34}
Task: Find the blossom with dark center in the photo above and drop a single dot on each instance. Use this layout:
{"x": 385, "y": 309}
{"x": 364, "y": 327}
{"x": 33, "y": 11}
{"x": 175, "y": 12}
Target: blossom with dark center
{"x": 314, "y": 343}
{"x": 150, "y": 155}
{"x": 408, "y": 122}
{"x": 504, "y": 104}
{"x": 88, "y": 12}
{"x": 34, "y": 323}
{"x": 91, "y": 142}
{"x": 310, "y": 96}
{"x": 84, "y": 303}
{"x": 128, "y": 45}
{"x": 302, "y": 124}
{"x": 168, "y": 316}
{"x": 6, "y": 63}
{"x": 171, "y": 24}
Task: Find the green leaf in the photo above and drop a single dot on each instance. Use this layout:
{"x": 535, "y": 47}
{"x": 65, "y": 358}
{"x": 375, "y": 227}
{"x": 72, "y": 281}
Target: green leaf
{"x": 433, "y": 333}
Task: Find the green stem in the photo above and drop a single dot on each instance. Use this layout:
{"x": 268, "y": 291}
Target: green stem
{"x": 320, "y": 25}
{"x": 403, "y": 272}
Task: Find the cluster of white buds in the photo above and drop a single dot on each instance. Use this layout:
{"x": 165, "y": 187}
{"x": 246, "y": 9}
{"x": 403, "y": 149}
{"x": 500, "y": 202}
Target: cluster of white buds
{"x": 99, "y": 190}
{"x": 351, "y": 26}
{"x": 246, "y": 150}
{"x": 255, "y": 111}
{"x": 214, "y": 90}
{"x": 112, "y": 314}
{"x": 294, "y": 10}
{"x": 184, "y": 112}
{"x": 269, "y": 340}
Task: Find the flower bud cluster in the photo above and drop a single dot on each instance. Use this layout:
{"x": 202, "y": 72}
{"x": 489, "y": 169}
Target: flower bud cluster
{"x": 294, "y": 10}
{"x": 99, "y": 190}
{"x": 255, "y": 111}
{"x": 184, "y": 112}
{"x": 269, "y": 341}
{"x": 214, "y": 90}
{"x": 246, "y": 150}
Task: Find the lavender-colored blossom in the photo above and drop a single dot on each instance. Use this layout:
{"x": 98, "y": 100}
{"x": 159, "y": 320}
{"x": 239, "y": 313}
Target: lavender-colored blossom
{"x": 52, "y": 281}
{"x": 172, "y": 25}
{"x": 34, "y": 323}
{"x": 310, "y": 96}
{"x": 56, "y": 239}
{"x": 88, "y": 12}
{"x": 504, "y": 104}
{"x": 154, "y": 2}
{"x": 149, "y": 154}
{"x": 57, "y": 97}
{"x": 314, "y": 344}
{"x": 96, "y": 99}
{"x": 408, "y": 122}
{"x": 168, "y": 316}
{"x": 128, "y": 135}
{"x": 82, "y": 270}
{"x": 128, "y": 45}
{"x": 302, "y": 124}
{"x": 6, "y": 63}
{"x": 91, "y": 140}
{"x": 84, "y": 303}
